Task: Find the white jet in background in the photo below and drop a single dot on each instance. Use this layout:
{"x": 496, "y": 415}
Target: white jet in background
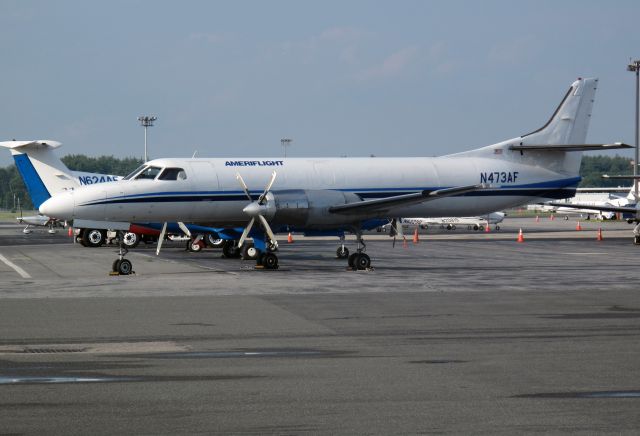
{"x": 582, "y": 205}
{"x": 452, "y": 223}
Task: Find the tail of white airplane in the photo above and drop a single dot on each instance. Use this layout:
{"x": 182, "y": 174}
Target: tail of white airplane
{"x": 557, "y": 145}
{"x": 43, "y": 172}
{"x": 570, "y": 122}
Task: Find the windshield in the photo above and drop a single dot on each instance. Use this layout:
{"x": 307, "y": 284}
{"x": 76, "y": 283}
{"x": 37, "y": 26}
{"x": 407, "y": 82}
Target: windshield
{"x": 134, "y": 172}
{"x": 149, "y": 173}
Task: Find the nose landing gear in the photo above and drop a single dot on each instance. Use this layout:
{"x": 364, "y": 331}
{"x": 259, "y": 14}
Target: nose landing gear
{"x": 121, "y": 266}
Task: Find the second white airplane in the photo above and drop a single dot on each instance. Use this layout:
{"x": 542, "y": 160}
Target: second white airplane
{"x": 352, "y": 194}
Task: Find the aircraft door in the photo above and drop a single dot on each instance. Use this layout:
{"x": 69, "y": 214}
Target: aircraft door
{"x": 205, "y": 186}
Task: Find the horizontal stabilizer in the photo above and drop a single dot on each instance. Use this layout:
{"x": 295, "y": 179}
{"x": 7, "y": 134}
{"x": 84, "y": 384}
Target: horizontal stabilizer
{"x": 382, "y": 204}
{"x": 570, "y": 147}
{"x": 21, "y": 144}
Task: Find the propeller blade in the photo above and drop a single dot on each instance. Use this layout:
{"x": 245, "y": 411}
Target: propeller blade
{"x": 399, "y": 230}
{"x": 269, "y": 185}
{"x": 267, "y": 229}
{"x": 244, "y": 186}
{"x": 246, "y": 232}
{"x": 161, "y": 238}
{"x": 392, "y": 228}
{"x": 184, "y": 228}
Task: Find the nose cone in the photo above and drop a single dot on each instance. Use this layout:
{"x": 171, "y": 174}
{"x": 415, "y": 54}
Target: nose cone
{"x": 59, "y": 206}
{"x": 253, "y": 209}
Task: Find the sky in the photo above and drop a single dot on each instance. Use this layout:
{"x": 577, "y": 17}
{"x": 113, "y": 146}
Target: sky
{"x": 340, "y": 78}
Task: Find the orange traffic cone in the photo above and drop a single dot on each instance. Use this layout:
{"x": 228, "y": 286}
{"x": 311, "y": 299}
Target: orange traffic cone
{"x": 416, "y": 238}
{"x": 70, "y": 232}
{"x": 487, "y": 229}
{"x": 551, "y": 217}
{"x": 290, "y": 238}
{"x": 537, "y": 219}
{"x": 599, "y": 238}
{"x": 520, "y": 237}
{"x": 578, "y": 226}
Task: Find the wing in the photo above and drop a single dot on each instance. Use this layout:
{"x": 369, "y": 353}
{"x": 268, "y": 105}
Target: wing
{"x": 610, "y": 208}
{"x": 384, "y": 204}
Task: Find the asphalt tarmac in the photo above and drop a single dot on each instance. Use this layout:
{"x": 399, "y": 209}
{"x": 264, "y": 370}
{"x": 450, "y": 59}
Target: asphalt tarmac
{"x": 464, "y": 332}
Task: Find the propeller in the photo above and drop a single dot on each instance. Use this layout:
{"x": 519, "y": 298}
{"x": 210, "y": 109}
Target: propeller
{"x": 256, "y": 210}
{"x": 161, "y": 237}
{"x": 163, "y": 232}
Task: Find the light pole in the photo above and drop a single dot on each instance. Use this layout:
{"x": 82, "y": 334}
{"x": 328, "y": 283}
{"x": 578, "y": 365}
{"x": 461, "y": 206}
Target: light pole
{"x": 146, "y": 121}
{"x": 634, "y": 66}
{"x": 285, "y": 143}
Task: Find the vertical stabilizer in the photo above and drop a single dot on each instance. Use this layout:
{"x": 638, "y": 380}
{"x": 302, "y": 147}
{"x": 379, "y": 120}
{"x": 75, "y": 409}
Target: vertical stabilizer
{"x": 43, "y": 172}
{"x": 570, "y": 122}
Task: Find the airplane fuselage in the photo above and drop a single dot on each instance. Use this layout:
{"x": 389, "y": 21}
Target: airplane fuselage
{"x": 210, "y": 194}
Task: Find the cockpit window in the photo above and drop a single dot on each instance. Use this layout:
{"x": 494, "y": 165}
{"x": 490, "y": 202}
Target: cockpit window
{"x": 134, "y": 172}
{"x": 173, "y": 174}
{"x": 149, "y": 173}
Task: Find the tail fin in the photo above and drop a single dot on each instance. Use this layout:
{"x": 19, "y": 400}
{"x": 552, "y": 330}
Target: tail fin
{"x": 41, "y": 169}
{"x": 570, "y": 122}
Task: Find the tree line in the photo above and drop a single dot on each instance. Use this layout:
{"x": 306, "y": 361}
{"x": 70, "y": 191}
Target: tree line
{"x": 13, "y": 190}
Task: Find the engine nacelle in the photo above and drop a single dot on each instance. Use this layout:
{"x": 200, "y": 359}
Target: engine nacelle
{"x": 307, "y": 208}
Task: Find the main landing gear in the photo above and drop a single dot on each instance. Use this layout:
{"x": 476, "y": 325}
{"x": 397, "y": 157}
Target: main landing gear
{"x": 122, "y": 266}
{"x": 359, "y": 260}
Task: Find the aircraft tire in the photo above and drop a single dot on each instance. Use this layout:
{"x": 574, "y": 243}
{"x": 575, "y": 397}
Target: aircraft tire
{"x": 362, "y": 261}
{"x": 497, "y": 227}
{"x": 125, "y": 267}
{"x": 213, "y": 241}
{"x": 195, "y": 247}
{"x": 352, "y": 260}
{"x": 94, "y": 237}
{"x": 476, "y": 227}
{"x": 270, "y": 261}
{"x": 342, "y": 253}
{"x": 131, "y": 240}
{"x": 230, "y": 250}
{"x": 249, "y": 252}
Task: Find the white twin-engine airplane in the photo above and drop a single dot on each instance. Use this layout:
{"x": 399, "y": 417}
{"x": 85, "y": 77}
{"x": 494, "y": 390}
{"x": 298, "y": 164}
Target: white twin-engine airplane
{"x": 451, "y": 223}
{"x": 352, "y": 194}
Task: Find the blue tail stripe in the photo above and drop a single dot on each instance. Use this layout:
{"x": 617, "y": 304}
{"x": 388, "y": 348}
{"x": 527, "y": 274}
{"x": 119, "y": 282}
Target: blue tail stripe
{"x": 37, "y": 190}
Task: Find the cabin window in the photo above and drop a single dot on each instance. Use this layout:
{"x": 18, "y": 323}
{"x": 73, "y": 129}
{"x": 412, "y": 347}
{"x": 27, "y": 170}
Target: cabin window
{"x": 173, "y": 174}
{"x": 149, "y": 173}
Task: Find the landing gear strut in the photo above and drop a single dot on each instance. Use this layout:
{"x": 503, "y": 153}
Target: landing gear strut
{"x": 359, "y": 260}
{"x": 122, "y": 266}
